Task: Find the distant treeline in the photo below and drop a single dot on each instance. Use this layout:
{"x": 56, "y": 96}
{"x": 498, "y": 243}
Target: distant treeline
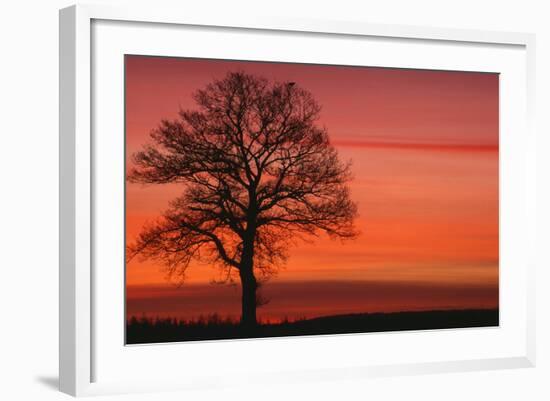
{"x": 156, "y": 330}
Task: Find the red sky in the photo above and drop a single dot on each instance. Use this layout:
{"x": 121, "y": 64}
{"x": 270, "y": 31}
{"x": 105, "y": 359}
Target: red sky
{"x": 424, "y": 146}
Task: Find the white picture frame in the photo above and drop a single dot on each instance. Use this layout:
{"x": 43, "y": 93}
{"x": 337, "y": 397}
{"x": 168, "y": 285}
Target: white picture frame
{"x": 78, "y": 369}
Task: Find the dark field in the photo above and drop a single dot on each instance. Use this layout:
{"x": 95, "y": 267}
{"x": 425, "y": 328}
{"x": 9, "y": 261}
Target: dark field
{"x": 143, "y": 330}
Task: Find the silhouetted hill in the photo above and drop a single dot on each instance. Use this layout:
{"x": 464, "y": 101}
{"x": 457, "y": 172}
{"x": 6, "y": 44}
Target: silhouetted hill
{"x": 141, "y": 331}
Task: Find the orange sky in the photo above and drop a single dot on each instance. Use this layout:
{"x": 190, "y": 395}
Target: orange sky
{"x": 424, "y": 146}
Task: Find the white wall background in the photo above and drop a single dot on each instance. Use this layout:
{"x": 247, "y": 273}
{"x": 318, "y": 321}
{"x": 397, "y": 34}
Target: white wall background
{"x": 29, "y": 197}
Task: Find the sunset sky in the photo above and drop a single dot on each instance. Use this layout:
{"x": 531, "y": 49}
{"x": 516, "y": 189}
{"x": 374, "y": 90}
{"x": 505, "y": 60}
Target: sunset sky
{"x": 424, "y": 146}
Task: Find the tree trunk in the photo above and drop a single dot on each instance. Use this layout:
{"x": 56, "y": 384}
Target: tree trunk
{"x": 248, "y": 304}
{"x": 248, "y": 285}
{"x": 246, "y": 270}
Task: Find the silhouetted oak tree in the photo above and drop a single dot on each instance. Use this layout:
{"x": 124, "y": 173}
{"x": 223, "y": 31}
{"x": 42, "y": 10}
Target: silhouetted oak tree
{"x": 257, "y": 174}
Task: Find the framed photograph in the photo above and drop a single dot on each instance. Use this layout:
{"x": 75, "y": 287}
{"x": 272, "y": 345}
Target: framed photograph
{"x": 344, "y": 199}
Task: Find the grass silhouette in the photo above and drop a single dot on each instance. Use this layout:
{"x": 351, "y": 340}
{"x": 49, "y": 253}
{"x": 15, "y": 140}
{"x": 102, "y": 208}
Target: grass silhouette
{"x": 214, "y": 327}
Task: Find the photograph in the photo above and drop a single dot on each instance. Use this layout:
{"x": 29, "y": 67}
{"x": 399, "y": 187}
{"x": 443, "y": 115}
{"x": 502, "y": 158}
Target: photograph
{"x": 273, "y": 199}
